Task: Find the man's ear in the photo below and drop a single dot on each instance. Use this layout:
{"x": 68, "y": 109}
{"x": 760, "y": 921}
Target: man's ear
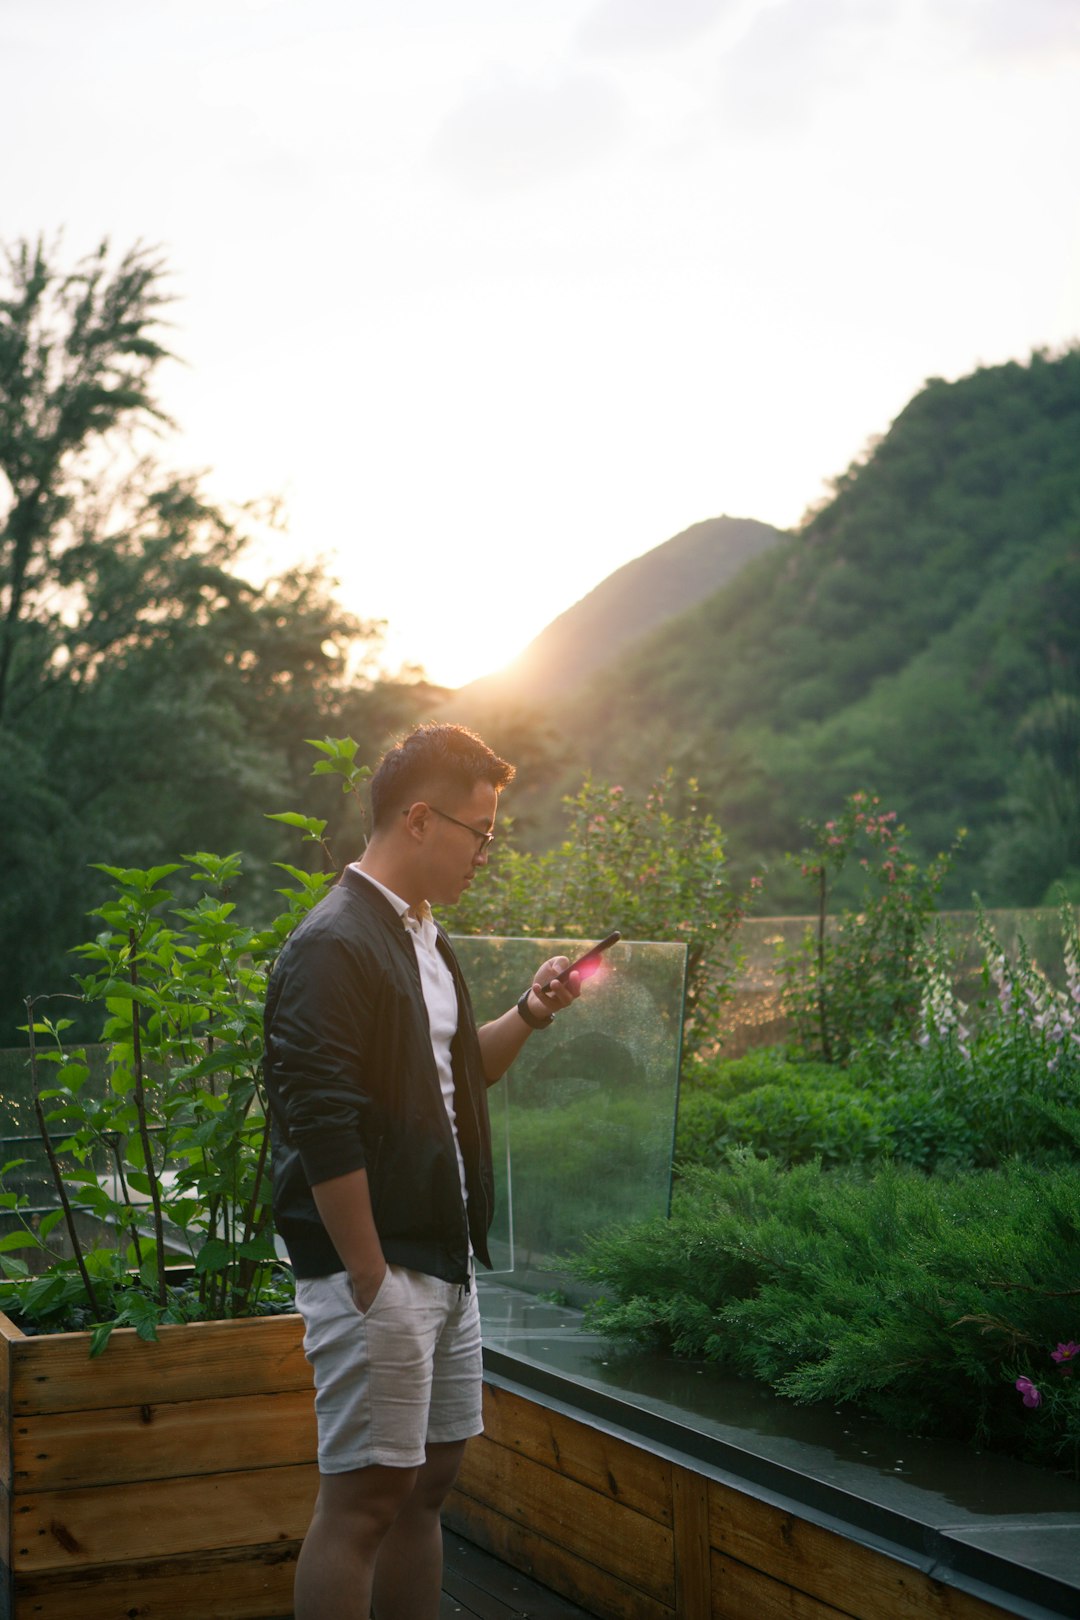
{"x": 417, "y": 817}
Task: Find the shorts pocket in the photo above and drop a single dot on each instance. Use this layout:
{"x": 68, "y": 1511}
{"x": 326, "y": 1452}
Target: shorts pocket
{"x": 380, "y": 1293}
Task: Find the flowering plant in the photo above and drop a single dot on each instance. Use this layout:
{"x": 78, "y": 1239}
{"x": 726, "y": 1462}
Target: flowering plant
{"x": 1056, "y": 1398}
{"x": 858, "y": 977}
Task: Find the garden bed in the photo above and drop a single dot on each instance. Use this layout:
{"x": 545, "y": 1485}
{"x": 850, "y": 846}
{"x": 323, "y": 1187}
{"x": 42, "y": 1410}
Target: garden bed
{"x": 641, "y": 1486}
{"x": 173, "y": 1479}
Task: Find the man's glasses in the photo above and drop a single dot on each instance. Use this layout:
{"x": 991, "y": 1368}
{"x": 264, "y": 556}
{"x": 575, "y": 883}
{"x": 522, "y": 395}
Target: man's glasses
{"x": 485, "y": 839}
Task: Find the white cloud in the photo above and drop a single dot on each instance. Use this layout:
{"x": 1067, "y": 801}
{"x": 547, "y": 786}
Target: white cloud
{"x": 511, "y": 130}
{"x": 795, "y": 56}
{"x": 648, "y": 25}
{"x": 1018, "y": 28}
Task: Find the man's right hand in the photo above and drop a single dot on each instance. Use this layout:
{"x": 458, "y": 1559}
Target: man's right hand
{"x": 365, "y": 1285}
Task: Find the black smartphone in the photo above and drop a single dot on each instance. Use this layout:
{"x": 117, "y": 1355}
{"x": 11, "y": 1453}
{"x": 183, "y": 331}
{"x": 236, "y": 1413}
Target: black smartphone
{"x": 587, "y": 965}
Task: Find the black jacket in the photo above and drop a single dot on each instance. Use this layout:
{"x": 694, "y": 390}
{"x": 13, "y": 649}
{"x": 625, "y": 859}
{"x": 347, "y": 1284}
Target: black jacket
{"x": 352, "y": 1085}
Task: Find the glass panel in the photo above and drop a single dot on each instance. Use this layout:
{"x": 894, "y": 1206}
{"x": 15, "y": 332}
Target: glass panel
{"x": 584, "y": 1123}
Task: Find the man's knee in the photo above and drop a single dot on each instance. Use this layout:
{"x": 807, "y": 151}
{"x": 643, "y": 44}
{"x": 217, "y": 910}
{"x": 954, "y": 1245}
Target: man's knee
{"x": 364, "y": 1502}
{"x": 436, "y": 1475}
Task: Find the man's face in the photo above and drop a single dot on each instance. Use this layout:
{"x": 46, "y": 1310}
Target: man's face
{"x": 454, "y": 842}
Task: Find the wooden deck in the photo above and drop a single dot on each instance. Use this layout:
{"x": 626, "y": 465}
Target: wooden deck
{"x": 479, "y": 1587}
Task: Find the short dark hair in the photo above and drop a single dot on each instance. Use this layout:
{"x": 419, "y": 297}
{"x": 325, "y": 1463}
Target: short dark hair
{"x": 433, "y": 759}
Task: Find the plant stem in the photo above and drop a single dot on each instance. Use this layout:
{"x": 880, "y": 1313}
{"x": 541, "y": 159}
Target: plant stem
{"x": 55, "y": 1166}
{"x": 823, "y": 1023}
{"x": 144, "y": 1133}
{"x": 249, "y": 1217}
{"x": 113, "y": 1140}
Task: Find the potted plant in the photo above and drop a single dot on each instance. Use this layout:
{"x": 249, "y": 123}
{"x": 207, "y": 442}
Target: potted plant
{"x": 158, "y": 1422}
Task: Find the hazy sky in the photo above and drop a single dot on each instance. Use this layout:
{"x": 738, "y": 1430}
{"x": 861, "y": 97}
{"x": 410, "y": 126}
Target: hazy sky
{"x": 499, "y": 294}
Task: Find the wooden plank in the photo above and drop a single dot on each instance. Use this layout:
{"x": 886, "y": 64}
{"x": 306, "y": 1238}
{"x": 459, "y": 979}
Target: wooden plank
{"x": 742, "y": 1593}
{"x": 112, "y": 1445}
{"x": 490, "y": 1590}
{"x": 627, "y": 1473}
{"x": 8, "y": 1330}
{"x": 111, "y": 1524}
{"x": 251, "y": 1583}
{"x": 856, "y": 1579}
{"x": 599, "y": 1593}
{"x": 693, "y": 1575}
{"x": 5, "y": 1407}
{"x": 634, "y": 1548}
{"x": 247, "y": 1356}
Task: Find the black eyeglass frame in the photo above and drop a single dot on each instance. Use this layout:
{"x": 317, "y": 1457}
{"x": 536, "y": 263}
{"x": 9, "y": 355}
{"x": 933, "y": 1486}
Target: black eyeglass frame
{"x": 486, "y": 839}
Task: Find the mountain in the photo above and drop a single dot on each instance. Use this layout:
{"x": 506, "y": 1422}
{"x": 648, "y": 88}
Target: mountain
{"x": 919, "y": 635}
{"x": 627, "y": 605}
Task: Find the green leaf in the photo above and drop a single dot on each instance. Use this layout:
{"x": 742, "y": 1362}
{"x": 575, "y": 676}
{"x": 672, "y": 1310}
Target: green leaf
{"x": 214, "y": 1255}
{"x": 18, "y": 1240}
{"x": 100, "y": 1335}
{"x": 292, "y": 818}
{"x": 261, "y": 1248}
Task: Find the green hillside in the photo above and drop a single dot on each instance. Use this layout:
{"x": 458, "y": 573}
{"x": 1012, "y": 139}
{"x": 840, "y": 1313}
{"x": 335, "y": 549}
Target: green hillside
{"x": 635, "y": 599}
{"x": 920, "y": 635}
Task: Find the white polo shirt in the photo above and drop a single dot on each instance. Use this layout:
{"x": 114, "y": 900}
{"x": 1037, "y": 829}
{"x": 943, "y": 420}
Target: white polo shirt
{"x": 440, "y": 997}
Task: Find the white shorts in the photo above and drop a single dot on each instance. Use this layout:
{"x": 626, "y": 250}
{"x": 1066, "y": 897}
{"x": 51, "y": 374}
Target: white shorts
{"x": 405, "y": 1373}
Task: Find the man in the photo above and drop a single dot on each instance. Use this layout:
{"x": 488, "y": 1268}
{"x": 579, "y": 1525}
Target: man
{"x": 377, "y": 1078}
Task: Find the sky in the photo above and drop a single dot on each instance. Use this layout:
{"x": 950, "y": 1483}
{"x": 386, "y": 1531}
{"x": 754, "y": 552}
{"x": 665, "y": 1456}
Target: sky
{"x": 497, "y": 295}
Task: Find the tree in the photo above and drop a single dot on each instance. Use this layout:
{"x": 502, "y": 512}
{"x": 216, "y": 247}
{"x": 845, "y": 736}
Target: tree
{"x": 152, "y": 696}
{"x": 77, "y": 358}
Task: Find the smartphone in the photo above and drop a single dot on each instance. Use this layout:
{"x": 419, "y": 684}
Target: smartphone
{"x": 587, "y": 965}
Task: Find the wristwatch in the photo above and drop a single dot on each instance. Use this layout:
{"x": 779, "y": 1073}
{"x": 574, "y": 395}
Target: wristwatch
{"x": 529, "y": 1017}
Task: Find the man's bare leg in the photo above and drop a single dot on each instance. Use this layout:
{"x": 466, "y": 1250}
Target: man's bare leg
{"x": 408, "y": 1572}
{"x": 336, "y": 1567}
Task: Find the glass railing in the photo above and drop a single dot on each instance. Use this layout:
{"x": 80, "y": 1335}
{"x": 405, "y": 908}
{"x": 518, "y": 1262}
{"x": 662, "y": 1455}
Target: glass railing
{"x": 583, "y": 1125}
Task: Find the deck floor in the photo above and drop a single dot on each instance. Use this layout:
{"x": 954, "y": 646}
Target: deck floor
{"x": 477, "y": 1586}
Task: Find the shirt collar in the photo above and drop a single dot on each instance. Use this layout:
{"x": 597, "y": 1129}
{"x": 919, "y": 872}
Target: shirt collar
{"x": 417, "y": 915}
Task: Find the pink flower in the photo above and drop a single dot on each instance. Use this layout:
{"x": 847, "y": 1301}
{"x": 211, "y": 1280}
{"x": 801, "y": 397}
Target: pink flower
{"x": 1066, "y": 1353}
{"x": 1030, "y": 1394}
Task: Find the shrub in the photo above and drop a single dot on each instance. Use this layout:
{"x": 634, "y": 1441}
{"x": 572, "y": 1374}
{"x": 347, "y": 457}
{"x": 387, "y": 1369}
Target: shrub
{"x": 792, "y": 1121}
{"x": 638, "y": 867}
{"x": 918, "y": 1300}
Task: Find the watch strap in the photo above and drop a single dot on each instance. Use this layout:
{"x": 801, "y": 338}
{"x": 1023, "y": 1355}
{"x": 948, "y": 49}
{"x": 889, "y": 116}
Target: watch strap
{"x": 529, "y": 1016}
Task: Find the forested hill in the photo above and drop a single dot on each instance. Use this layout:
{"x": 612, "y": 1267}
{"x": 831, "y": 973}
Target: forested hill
{"x": 625, "y": 606}
{"x": 920, "y": 636}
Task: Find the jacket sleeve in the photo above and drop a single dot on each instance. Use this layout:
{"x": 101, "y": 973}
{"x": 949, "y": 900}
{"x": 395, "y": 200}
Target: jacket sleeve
{"x": 318, "y": 1012}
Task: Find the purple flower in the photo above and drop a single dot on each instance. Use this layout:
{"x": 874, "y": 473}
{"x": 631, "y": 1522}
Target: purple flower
{"x": 1029, "y": 1392}
{"x": 1066, "y": 1353}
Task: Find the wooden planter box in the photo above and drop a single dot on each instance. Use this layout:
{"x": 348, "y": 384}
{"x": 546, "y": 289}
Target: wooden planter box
{"x": 630, "y": 1533}
{"x": 174, "y": 1480}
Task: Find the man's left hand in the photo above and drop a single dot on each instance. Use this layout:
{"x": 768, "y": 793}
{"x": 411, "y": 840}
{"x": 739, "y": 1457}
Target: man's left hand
{"x": 549, "y": 994}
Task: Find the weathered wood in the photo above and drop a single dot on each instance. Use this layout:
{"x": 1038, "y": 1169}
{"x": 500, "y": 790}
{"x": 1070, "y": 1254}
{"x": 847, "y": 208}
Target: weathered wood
{"x": 260, "y": 1356}
{"x": 627, "y": 1473}
{"x": 598, "y": 1591}
{"x": 485, "y": 1588}
{"x": 108, "y": 1524}
{"x": 250, "y": 1583}
{"x": 7, "y": 1331}
{"x": 741, "y": 1593}
{"x": 693, "y": 1575}
{"x": 111, "y": 1445}
{"x": 824, "y": 1564}
{"x": 635, "y": 1549}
